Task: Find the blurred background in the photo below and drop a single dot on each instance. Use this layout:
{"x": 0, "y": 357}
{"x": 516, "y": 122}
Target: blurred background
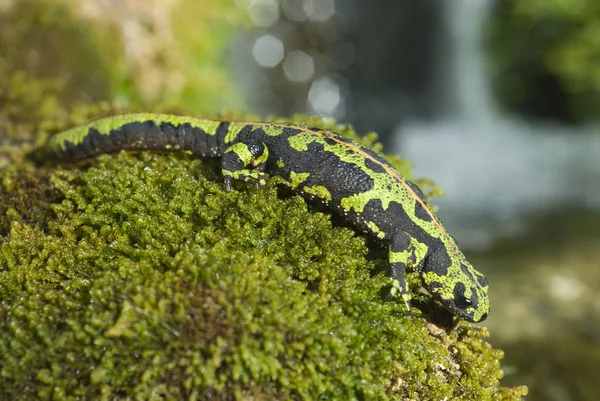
{"x": 495, "y": 100}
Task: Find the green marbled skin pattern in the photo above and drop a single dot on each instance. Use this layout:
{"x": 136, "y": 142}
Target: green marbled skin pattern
{"x": 355, "y": 182}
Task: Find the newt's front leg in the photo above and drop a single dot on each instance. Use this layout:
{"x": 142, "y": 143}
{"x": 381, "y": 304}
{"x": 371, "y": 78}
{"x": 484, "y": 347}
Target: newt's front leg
{"x": 399, "y": 255}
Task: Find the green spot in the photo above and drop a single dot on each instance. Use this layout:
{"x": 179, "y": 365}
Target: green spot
{"x": 272, "y": 130}
{"x": 386, "y": 189}
{"x": 300, "y": 141}
{"x": 319, "y": 191}
{"x": 233, "y": 131}
{"x": 399, "y": 257}
{"x": 406, "y": 299}
{"x": 297, "y": 179}
{"x": 420, "y": 250}
{"x": 415, "y": 248}
{"x": 376, "y": 230}
{"x": 242, "y": 151}
{"x": 444, "y": 284}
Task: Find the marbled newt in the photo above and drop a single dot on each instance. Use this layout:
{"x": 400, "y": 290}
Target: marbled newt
{"x": 358, "y": 184}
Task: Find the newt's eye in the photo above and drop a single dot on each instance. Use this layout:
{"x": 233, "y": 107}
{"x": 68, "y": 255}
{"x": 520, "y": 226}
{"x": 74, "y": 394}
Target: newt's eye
{"x": 463, "y": 302}
{"x": 482, "y": 281}
{"x": 459, "y": 296}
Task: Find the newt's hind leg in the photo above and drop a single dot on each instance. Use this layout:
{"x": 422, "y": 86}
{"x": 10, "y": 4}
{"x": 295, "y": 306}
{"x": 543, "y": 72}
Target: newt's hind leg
{"x": 245, "y": 161}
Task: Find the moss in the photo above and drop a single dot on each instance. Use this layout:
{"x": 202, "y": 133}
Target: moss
{"x": 139, "y": 276}
{"x": 137, "y": 54}
{"x": 44, "y": 39}
{"x": 26, "y": 198}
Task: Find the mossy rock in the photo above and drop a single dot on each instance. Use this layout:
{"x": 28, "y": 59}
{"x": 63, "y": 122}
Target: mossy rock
{"x": 139, "y": 277}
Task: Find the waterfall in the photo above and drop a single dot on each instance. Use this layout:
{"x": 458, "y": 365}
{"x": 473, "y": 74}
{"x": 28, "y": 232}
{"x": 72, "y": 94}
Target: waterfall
{"x": 496, "y": 170}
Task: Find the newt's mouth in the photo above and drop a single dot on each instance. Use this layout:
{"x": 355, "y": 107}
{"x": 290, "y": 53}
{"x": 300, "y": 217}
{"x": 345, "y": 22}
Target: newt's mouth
{"x": 469, "y": 313}
{"x": 466, "y": 311}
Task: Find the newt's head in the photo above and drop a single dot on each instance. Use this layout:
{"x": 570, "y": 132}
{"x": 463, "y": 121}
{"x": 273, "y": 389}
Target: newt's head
{"x": 457, "y": 285}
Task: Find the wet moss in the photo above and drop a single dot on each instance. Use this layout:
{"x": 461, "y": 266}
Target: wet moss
{"x": 140, "y": 276}
{"x": 26, "y": 197}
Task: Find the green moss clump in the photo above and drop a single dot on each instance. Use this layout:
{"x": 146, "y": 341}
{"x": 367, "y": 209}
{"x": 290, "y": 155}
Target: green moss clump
{"x": 26, "y": 198}
{"x": 141, "y": 277}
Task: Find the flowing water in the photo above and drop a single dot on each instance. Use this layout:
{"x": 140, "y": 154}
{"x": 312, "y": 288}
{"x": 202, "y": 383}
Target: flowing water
{"x": 496, "y": 170}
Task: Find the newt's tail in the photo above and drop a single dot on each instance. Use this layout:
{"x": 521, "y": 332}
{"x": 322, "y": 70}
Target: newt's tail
{"x": 138, "y": 132}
